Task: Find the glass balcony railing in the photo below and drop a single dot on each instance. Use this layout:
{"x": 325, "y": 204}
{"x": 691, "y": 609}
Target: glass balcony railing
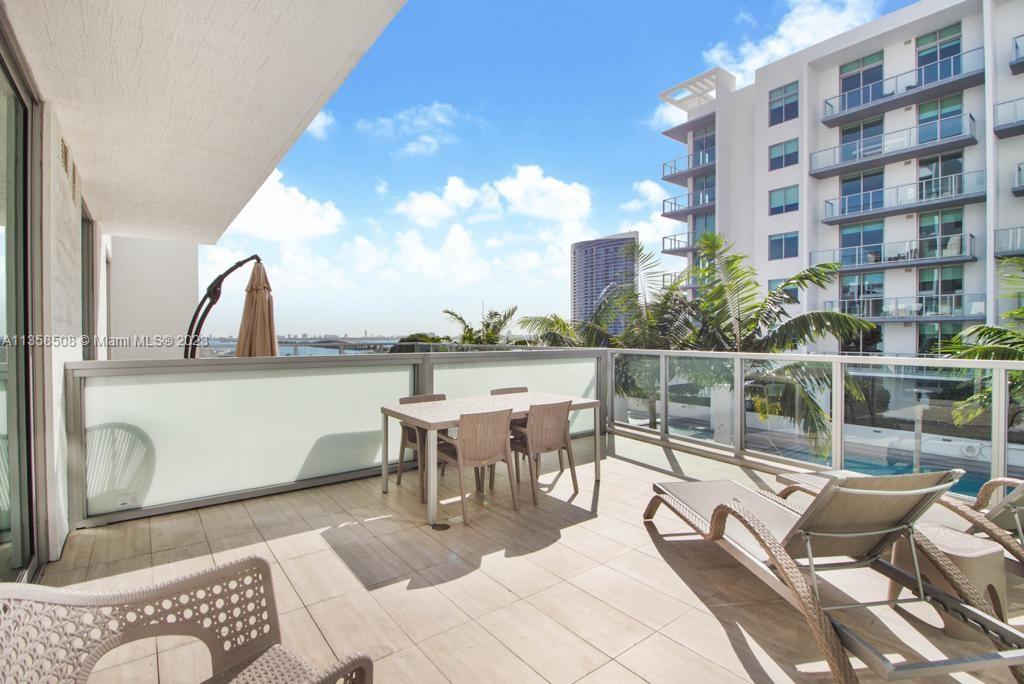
{"x": 679, "y": 243}
{"x": 906, "y": 196}
{"x": 936, "y": 72}
{"x": 919, "y": 306}
{"x": 679, "y": 278}
{"x": 688, "y": 201}
{"x": 1009, "y": 241}
{"x": 1018, "y": 47}
{"x": 689, "y": 162}
{"x": 1010, "y": 113}
{"x": 893, "y": 142}
{"x": 898, "y": 253}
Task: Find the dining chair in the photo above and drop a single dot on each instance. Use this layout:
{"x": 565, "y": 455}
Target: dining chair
{"x": 508, "y": 390}
{"x": 546, "y": 430}
{"x": 521, "y": 422}
{"x": 482, "y": 440}
{"x": 416, "y": 439}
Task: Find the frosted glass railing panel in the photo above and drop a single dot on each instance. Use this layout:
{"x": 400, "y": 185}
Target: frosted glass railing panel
{"x": 637, "y": 401}
{"x": 903, "y": 419}
{"x": 164, "y": 438}
{"x": 701, "y": 398}
{"x": 574, "y": 376}
{"x": 788, "y": 407}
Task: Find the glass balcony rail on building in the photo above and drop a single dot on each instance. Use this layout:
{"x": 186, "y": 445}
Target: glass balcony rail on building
{"x": 678, "y": 170}
{"x": 678, "y": 277}
{"x": 916, "y": 308}
{"x": 899, "y": 254}
{"x": 1009, "y": 242}
{"x": 680, "y": 244}
{"x": 681, "y": 206}
{"x": 1018, "y": 181}
{"x": 932, "y": 137}
{"x": 1017, "y": 55}
{"x": 953, "y": 73}
{"x": 1009, "y": 119}
{"x": 932, "y": 193}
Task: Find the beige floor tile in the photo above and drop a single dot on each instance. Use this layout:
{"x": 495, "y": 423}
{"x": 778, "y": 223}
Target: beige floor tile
{"x": 356, "y": 622}
{"x": 120, "y": 575}
{"x": 408, "y": 666}
{"x": 611, "y": 673}
{"x": 293, "y": 539}
{"x": 300, "y": 634}
{"x": 470, "y": 654}
{"x": 268, "y": 511}
{"x": 176, "y": 530}
{"x": 555, "y": 652}
{"x": 185, "y": 664}
{"x": 339, "y": 528}
{"x": 226, "y": 520}
{"x": 227, "y": 549}
{"x": 650, "y": 606}
{"x": 418, "y": 549}
{"x": 141, "y": 671}
{"x": 285, "y": 598}
{"x": 180, "y": 561}
{"x": 607, "y": 628}
{"x": 380, "y": 520}
{"x": 69, "y": 578}
{"x": 592, "y": 544}
{"x": 689, "y": 585}
{"x": 467, "y": 542}
{"x": 77, "y": 551}
{"x": 312, "y": 503}
{"x": 418, "y": 607}
{"x": 517, "y": 574}
{"x": 659, "y": 659}
{"x": 121, "y": 540}
{"x": 320, "y": 576}
{"x": 631, "y": 533}
{"x": 472, "y": 590}
{"x": 560, "y": 560}
{"x": 371, "y": 561}
{"x": 126, "y": 653}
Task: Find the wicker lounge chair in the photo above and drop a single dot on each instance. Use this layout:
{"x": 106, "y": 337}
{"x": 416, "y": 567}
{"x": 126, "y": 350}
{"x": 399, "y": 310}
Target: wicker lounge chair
{"x": 49, "y": 634}
{"x": 854, "y": 520}
{"x": 1002, "y": 522}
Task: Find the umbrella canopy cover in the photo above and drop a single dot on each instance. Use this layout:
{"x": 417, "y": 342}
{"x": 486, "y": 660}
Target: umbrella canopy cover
{"x": 256, "y": 335}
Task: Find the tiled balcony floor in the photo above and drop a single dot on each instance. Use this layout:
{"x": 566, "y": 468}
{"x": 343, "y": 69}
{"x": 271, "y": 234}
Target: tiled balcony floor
{"x": 576, "y": 589}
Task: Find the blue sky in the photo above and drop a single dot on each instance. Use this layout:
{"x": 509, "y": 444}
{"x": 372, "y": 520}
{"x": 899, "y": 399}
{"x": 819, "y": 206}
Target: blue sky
{"x": 476, "y": 140}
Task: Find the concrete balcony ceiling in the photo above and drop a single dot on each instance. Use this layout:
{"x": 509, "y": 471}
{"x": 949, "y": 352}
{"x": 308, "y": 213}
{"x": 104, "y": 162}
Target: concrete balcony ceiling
{"x": 177, "y": 112}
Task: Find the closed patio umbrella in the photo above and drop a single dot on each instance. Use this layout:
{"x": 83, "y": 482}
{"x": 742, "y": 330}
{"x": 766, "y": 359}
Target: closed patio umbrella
{"x": 256, "y": 336}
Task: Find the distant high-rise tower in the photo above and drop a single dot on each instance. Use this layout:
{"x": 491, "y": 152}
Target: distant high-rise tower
{"x": 598, "y": 265}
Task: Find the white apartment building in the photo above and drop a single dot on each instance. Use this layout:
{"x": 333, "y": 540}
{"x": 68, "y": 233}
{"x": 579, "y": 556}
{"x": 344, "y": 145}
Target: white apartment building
{"x": 895, "y": 149}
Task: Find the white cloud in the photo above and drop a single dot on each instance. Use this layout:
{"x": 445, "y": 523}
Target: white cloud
{"x": 805, "y": 23}
{"x": 745, "y": 17}
{"x": 648, "y": 194}
{"x": 666, "y": 116}
{"x": 428, "y": 209}
{"x": 457, "y": 261}
{"x": 530, "y": 193}
{"x": 320, "y": 123}
{"x": 298, "y": 267}
{"x": 282, "y": 213}
{"x": 423, "y": 129}
{"x": 381, "y": 188}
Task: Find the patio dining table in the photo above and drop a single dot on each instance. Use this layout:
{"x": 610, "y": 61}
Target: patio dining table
{"x": 433, "y": 416}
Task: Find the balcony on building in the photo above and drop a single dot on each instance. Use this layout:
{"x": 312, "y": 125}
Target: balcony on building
{"x": 1009, "y": 242}
{"x": 1009, "y": 118}
{"x": 1017, "y": 55}
{"x": 1018, "y": 181}
{"x": 679, "y": 170}
{"x": 925, "y": 195}
{"x": 947, "y": 249}
{"x": 952, "y": 74}
{"x": 918, "y": 308}
{"x": 681, "y": 244}
{"x": 680, "y": 280}
{"x": 933, "y": 137}
{"x": 682, "y": 206}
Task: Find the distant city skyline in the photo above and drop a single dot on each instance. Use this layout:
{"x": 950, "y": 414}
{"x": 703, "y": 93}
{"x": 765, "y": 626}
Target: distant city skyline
{"x": 456, "y": 164}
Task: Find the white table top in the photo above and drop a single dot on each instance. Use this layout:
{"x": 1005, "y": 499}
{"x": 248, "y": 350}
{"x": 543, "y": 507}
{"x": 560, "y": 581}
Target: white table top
{"x": 439, "y": 415}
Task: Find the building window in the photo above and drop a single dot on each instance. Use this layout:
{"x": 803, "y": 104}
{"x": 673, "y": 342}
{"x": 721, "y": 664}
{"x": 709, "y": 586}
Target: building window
{"x": 938, "y": 54}
{"x": 861, "y": 140}
{"x": 940, "y": 176}
{"x": 931, "y": 337}
{"x": 783, "y": 245}
{"x": 784, "y": 154}
{"x": 869, "y": 342}
{"x": 784, "y": 200}
{"x": 860, "y": 81}
{"x": 703, "y": 223}
{"x": 940, "y": 119}
{"x": 783, "y": 103}
{"x": 861, "y": 243}
{"x": 704, "y": 189}
{"x": 861, "y": 294}
{"x": 863, "y": 191}
{"x": 793, "y": 292}
{"x": 940, "y": 233}
{"x": 703, "y": 146}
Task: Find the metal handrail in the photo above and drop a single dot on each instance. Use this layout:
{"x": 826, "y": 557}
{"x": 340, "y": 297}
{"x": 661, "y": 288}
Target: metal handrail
{"x": 688, "y": 200}
{"x": 910, "y": 193}
{"x": 919, "y": 306}
{"x": 688, "y": 162}
{"x": 936, "y": 72}
{"x": 894, "y": 141}
{"x": 1009, "y": 112}
{"x": 921, "y": 249}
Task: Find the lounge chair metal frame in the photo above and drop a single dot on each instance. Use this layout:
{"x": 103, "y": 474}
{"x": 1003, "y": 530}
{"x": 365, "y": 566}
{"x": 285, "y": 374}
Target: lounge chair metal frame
{"x": 797, "y": 582}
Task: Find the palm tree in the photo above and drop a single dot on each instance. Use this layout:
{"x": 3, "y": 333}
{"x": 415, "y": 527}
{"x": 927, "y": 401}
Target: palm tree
{"x": 492, "y": 328}
{"x": 732, "y": 314}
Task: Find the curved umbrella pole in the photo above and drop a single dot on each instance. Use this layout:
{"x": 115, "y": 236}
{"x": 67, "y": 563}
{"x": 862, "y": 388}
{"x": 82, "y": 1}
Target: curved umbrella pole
{"x": 212, "y": 296}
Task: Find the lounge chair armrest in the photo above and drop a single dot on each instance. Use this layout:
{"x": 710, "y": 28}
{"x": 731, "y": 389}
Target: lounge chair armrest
{"x": 989, "y": 488}
{"x": 781, "y": 499}
{"x": 356, "y": 668}
{"x": 794, "y": 488}
{"x": 983, "y": 524}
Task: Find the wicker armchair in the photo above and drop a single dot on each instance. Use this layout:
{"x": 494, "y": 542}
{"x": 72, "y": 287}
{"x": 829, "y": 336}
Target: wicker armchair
{"x": 482, "y": 440}
{"x": 58, "y": 635}
{"x": 546, "y": 429}
{"x": 416, "y": 439}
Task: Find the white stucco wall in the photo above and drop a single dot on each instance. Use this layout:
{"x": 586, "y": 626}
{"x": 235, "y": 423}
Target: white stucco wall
{"x": 153, "y": 291}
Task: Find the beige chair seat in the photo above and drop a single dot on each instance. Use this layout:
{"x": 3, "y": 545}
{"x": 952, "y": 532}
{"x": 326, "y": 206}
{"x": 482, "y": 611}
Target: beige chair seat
{"x": 277, "y": 664}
